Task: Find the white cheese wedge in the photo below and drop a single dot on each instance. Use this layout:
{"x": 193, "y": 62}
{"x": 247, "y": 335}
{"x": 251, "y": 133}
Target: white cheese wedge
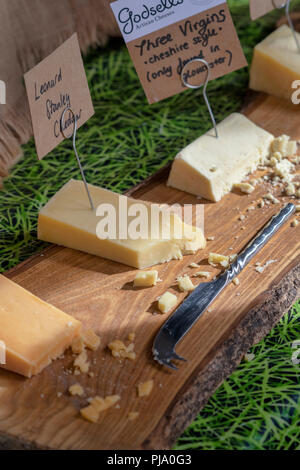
{"x": 276, "y": 64}
{"x": 211, "y": 166}
{"x": 68, "y": 220}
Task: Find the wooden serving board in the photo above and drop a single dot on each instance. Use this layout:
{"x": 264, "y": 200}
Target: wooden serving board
{"x": 100, "y": 294}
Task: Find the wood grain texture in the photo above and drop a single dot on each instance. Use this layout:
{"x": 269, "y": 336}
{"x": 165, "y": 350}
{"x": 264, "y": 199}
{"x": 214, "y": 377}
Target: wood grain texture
{"x": 100, "y": 294}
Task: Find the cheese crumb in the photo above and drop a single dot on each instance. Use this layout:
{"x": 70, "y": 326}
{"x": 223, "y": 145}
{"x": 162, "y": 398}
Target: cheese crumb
{"x": 82, "y": 363}
{"x": 298, "y": 208}
{"x": 271, "y": 197}
{"x": 98, "y": 404}
{"x": 76, "y": 389}
{"x": 146, "y": 278}
{"x": 215, "y": 259}
{"x": 133, "y": 415}
{"x": 202, "y": 274}
{"x": 245, "y": 187}
{"x": 260, "y": 269}
{"x": 233, "y": 257}
{"x": 91, "y": 340}
{"x": 284, "y": 169}
{"x": 145, "y": 388}
{"x": 196, "y": 265}
{"x": 236, "y": 282}
{"x": 90, "y": 414}
{"x": 131, "y": 336}
{"x": 294, "y": 223}
{"x": 290, "y": 189}
{"x": 77, "y": 345}
{"x": 166, "y": 302}
{"x": 185, "y": 284}
{"x": 120, "y": 350}
{"x": 210, "y": 239}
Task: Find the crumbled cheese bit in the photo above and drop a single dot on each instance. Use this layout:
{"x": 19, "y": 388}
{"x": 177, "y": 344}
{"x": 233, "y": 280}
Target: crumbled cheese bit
{"x": 233, "y": 257}
{"x": 144, "y": 389}
{"x": 280, "y": 144}
{"x": 242, "y": 217}
{"x": 166, "y": 302}
{"x": 245, "y": 187}
{"x": 82, "y": 363}
{"x": 131, "y": 336}
{"x": 294, "y": 223}
{"x": 91, "y": 340}
{"x": 236, "y": 282}
{"x": 271, "y": 197}
{"x": 260, "y": 269}
{"x": 185, "y": 284}
{"x": 146, "y": 278}
{"x": 90, "y": 414}
{"x": 77, "y": 345}
{"x": 291, "y": 148}
{"x": 196, "y": 265}
{"x": 210, "y": 239}
{"x": 120, "y": 350}
{"x": 215, "y": 259}
{"x": 261, "y": 204}
{"x": 298, "y": 208}
{"x": 133, "y": 415}
{"x": 76, "y": 389}
{"x": 91, "y": 374}
{"x": 249, "y": 357}
{"x": 202, "y": 274}
{"x": 98, "y": 404}
{"x": 290, "y": 189}
{"x": 284, "y": 169}
{"x": 102, "y": 404}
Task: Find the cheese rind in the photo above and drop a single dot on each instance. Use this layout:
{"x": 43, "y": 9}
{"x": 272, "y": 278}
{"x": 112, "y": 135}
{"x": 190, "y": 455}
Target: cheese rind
{"x": 68, "y": 220}
{"x": 276, "y": 64}
{"x": 210, "y": 166}
{"x": 33, "y": 331}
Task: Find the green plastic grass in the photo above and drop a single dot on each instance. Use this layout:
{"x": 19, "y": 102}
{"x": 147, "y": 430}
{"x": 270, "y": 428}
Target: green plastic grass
{"x": 126, "y": 141}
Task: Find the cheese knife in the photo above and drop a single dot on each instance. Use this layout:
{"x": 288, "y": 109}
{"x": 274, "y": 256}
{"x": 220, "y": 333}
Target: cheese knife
{"x": 182, "y": 320}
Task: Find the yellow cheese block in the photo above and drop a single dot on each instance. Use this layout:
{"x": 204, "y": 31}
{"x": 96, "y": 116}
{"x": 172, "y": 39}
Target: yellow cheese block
{"x": 276, "y": 64}
{"x": 210, "y": 166}
{"x": 34, "y": 332}
{"x": 68, "y": 220}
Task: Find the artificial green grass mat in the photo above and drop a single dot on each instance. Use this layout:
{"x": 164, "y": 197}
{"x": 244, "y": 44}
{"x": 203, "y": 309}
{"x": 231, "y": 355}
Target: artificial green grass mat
{"x": 258, "y": 407}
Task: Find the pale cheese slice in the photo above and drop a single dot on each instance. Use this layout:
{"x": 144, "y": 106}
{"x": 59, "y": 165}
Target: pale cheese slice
{"x": 68, "y": 220}
{"x": 211, "y": 166}
{"x": 276, "y": 64}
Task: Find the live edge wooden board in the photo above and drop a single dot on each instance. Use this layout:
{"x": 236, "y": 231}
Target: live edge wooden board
{"x": 100, "y": 294}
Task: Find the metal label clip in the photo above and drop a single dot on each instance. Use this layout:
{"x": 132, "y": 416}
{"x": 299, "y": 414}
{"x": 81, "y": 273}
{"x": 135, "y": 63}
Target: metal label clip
{"x": 287, "y": 12}
{"x": 195, "y": 87}
{"x": 75, "y": 149}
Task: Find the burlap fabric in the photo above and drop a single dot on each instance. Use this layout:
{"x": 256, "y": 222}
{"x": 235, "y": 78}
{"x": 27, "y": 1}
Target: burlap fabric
{"x": 30, "y": 30}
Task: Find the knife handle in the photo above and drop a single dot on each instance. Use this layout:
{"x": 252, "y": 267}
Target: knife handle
{"x": 259, "y": 242}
